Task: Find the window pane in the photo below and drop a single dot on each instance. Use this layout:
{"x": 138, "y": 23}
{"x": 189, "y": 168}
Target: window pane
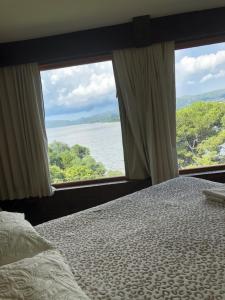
{"x": 200, "y": 87}
{"x": 82, "y": 122}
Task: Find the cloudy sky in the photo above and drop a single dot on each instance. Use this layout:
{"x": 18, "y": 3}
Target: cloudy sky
{"x": 74, "y": 92}
{"x": 200, "y": 69}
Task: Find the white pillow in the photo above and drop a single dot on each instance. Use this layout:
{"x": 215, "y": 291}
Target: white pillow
{"x": 42, "y": 277}
{"x": 6, "y": 216}
{"x": 18, "y": 238}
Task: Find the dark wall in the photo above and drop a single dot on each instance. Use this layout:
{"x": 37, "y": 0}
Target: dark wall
{"x": 217, "y": 176}
{"x": 141, "y": 32}
{"x": 69, "y": 200}
{"x": 66, "y": 201}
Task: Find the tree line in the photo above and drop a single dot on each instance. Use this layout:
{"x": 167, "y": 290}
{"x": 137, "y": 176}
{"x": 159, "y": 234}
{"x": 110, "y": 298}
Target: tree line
{"x": 201, "y": 134}
{"x": 200, "y": 142}
{"x": 74, "y": 163}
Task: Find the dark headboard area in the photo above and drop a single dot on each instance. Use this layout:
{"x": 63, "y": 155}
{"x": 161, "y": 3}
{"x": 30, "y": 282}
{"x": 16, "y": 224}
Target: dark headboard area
{"x": 72, "y": 199}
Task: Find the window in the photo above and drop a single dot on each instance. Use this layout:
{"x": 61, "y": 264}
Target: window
{"x": 82, "y": 122}
{"x": 200, "y": 87}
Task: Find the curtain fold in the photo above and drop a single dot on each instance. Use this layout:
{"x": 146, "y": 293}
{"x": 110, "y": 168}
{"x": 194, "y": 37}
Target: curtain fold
{"x": 24, "y": 170}
{"x": 145, "y": 80}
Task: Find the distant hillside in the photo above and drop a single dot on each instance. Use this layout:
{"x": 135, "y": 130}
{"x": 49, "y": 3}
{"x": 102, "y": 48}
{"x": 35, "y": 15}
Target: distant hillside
{"x": 100, "y": 118}
{"x": 113, "y": 116}
{"x": 218, "y": 95}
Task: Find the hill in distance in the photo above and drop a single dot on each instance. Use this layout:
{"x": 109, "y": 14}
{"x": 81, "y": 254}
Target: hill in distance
{"x": 99, "y": 118}
{"x": 113, "y": 116}
{"x": 218, "y": 96}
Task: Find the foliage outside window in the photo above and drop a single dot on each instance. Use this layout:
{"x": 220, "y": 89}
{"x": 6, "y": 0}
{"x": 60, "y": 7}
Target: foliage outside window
{"x": 200, "y": 84}
{"x": 75, "y": 163}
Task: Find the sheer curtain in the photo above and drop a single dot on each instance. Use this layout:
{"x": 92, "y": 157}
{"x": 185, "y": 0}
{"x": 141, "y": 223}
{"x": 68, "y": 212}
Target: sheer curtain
{"x": 145, "y": 80}
{"x": 24, "y": 170}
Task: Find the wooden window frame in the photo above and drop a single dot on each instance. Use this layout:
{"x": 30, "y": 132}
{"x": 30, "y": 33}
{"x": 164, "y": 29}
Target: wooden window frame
{"x": 191, "y": 44}
{"x": 202, "y": 170}
{"x": 73, "y": 63}
{"x": 199, "y": 42}
{"x": 108, "y": 57}
{"x": 98, "y": 181}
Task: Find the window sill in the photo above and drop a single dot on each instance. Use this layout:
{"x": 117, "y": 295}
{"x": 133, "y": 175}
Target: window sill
{"x": 203, "y": 173}
{"x": 91, "y": 183}
{"x": 215, "y": 173}
{"x": 202, "y": 170}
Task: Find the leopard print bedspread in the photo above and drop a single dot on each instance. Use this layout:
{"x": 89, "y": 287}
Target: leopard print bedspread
{"x": 164, "y": 242}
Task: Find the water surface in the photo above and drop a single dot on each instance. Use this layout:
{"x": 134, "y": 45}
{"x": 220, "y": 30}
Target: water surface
{"x": 103, "y": 139}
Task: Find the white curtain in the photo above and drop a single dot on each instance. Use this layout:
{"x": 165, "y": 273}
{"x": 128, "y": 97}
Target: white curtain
{"x": 24, "y": 170}
{"x": 145, "y": 80}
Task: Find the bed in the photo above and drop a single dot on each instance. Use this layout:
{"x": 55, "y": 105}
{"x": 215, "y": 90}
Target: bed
{"x": 164, "y": 242}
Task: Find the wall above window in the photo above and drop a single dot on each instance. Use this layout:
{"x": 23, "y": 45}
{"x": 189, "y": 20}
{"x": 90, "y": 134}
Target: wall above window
{"x": 100, "y": 41}
{"x": 32, "y": 19}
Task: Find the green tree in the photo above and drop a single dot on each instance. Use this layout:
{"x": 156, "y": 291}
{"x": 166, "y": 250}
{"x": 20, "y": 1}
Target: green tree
{"x": 79, "y": 172}
{"x": 114, "y": 173}
{"x": 201, "y": 134}
{"x": 55, "y": 151}
{"x": 74, "y": 163}
{"x": 80, "y": 151}
{"x": 57, "y": 174}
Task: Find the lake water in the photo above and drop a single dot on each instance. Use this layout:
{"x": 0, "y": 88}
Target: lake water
{"x": 103, "y": 139}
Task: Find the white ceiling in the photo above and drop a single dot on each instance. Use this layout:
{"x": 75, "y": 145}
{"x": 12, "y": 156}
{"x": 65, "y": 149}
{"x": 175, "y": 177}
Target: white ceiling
{"x": 25, "y": 19}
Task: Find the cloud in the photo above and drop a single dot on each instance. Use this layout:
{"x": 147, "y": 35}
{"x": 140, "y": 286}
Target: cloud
{"x": 192, "y": 65}
{"x": 78, "y": 88}
{"x": 200, "y": 69}
{"x": 210, "y": 76}
{"x": 98, "y": 85}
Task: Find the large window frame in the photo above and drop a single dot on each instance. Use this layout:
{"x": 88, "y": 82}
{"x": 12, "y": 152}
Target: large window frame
{"x": 73, "y": 63}
{"x": 204, "y": 170}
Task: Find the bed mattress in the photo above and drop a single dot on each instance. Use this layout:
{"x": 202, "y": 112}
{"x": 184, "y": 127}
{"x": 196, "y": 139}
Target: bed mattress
{"x": 164, "y": 242}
